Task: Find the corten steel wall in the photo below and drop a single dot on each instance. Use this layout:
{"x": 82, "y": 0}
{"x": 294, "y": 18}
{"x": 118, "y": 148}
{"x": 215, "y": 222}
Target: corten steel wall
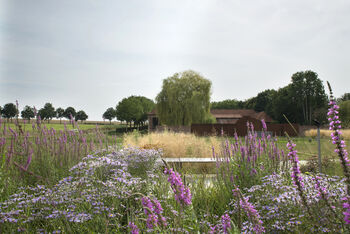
{"x": 280, "y": 129}
{"x": 241, "y": 128}
{"x": 185, "y": 129}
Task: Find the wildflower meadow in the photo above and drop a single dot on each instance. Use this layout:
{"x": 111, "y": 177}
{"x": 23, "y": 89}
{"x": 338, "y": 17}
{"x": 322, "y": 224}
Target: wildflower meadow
{"x": 71, "y": 181}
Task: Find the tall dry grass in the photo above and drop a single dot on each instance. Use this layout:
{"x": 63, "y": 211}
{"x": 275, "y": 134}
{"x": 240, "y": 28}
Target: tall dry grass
{"x": 326, "y": 133}
{"x": 174, "y": 145}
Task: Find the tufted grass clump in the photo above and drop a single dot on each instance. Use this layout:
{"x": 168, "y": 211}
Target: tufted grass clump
{"x": 174, "y": 145}
{"x": 326, "y": 133}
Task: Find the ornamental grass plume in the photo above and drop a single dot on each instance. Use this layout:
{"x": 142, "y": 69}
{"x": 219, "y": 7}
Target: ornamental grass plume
{"x": 335, "y": 126}
{"x": 182, "y": 194}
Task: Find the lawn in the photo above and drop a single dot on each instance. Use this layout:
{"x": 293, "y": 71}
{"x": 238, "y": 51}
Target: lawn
{"x": 57, "y": 126}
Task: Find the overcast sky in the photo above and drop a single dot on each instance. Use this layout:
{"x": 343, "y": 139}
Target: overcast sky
{"x": 91, "y": 54}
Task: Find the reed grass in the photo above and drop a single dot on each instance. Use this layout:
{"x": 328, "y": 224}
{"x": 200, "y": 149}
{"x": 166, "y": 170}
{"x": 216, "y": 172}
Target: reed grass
{"x": 174, "y": 145}
{"x": 326, "y": 133}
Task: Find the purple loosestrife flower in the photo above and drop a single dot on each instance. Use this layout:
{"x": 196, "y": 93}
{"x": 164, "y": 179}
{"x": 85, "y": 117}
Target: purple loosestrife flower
{"x": 226, "y": 222}
{"x": 347, "y": 211}
{"x": 335, "y": 125}
{"x": 134, "y": 228}
{"x": 153, "y": 210}
{"x": 297, "y": 179}
{"x": 182, "y": 194}
{"x": 250, "y": 210}
{"x": 264, "y": 124}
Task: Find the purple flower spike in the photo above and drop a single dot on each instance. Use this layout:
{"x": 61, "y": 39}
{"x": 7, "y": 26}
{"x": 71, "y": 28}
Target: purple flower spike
{"x": 335, "y": 125}
{"x": 226, "y": 222}
{"x": 297, "y": 179}
{"x": 346, "y": 213}
{"x": 134, "y": 228}
{"x": 153, "y": 210}
{"x": 250, "y": 210}
{"x": 264, "y": 124}
{"x": 182, "y": 194}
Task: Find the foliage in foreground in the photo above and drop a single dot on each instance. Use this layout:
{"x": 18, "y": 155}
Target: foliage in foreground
{"x": 120, "y": 190}
{"x": 41, "y": 154}
{"x": 125, "y": 190}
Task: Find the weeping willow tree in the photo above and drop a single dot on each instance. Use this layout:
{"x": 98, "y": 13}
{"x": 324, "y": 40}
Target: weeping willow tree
{"x": 184, "y": 99}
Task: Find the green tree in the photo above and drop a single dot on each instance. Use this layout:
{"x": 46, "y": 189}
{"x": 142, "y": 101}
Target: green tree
{"x": 109, "y": 114}
{"x": 264, "y": 100}
{"x": 147, "y": 106}
{"x": 9, "y": 111}
{"x": 47, "y": 112}
{"x": 129, "y": 110}
{"x": 81, "y": 115}
{"x": 250, "y": 103}
{"x": 344, "y": 97}
{"x": 69, "y": 113}
{"x": 59, "y": 113}
{"x": 309, "y": 94}
{"x": 228, "y": 104}
{"x": 344, "y": 113}
{"x": 184, "y": 99}
{"x": 284, "y": 105}
{"x": 27, "y": 113}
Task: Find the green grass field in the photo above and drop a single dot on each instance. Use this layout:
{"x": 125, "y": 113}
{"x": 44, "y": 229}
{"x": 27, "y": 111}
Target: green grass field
{"x": 58, "y": 126}
{"x": 308, "y": 147}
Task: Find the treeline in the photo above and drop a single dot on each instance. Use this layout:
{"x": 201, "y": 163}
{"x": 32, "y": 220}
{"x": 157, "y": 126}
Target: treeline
{"x": 48, "y": 112}
{"x": 133, "y": 109}
{"x": 301, "y": 101}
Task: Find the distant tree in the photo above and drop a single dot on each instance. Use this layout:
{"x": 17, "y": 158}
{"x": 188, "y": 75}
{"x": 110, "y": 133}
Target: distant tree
{"x": 9, "y": 111}
{"x": 27, "y": 113}
{"x": 264, "y": 100}
{"x": 344, "y": 112}
{"x": 309, "y": 94}
{"x": 184, "y": 99}
{"x": 320, "y": 114}
{"x": 147, "y": 106}
{"x": 344, "y": 97}
{"x": 250, "y": 103}
{"x": 47, "y": 112}
{"x": 227, "y": 104}
{"x": 81, "y": 115}
{"x": 59, "y": 113}
{"x": 69, "y": 112}
{"x": 109, "y": 114}
{"x": 129, "y": 110}
{"x": 283, "y": 104}
{"x": 0, "y": 111}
